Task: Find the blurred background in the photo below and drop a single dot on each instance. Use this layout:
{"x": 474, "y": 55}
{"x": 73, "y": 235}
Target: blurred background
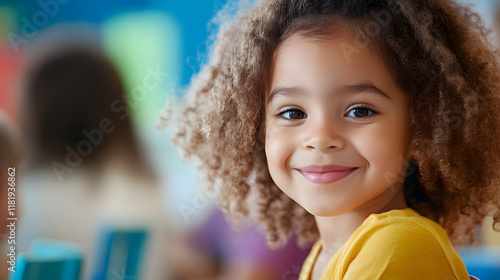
{"x": 138, "y": 36}
{"x": 155, "y": 47}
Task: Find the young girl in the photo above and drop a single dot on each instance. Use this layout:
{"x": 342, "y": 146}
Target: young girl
{"x": 372, "y": 126}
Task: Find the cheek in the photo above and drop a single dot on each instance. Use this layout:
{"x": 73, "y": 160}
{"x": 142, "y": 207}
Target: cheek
{"x": 279, "y": 147}
{"x": 385, "y": 148}
{"x": 273, "y": 147}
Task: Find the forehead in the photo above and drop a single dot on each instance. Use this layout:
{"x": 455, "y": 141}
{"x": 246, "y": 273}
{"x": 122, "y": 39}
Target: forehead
{"x": 335, "y": 61}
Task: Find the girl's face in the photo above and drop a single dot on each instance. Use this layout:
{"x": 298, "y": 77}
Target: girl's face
{"x": 337, "y": 126}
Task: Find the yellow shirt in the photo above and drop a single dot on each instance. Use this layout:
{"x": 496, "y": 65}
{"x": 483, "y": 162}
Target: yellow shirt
{"x": 399, "y": 244}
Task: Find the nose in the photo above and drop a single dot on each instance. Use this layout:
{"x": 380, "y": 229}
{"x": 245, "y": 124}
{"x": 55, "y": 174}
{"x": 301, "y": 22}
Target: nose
{"x": 323, "y": 136}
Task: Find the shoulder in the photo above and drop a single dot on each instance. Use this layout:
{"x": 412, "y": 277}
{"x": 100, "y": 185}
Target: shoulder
{"x": 403, "y": 225}
{"x": 406, "y": 233}
{"x": 402, "y": 243}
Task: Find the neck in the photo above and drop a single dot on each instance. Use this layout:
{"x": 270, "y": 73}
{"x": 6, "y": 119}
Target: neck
{"x": 336, "y": 230}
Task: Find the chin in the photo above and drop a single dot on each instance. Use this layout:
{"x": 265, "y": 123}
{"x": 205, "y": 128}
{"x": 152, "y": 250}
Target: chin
{"x": 325, "y": 211}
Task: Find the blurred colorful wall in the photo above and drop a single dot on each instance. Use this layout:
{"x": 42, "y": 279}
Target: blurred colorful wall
{"x": 157, "y": 47}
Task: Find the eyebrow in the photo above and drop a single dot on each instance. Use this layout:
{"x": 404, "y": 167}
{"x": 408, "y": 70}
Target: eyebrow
{"x": 285, "y": 91}
{"x": 347, "y": 89}
{"x": 364, "y": 87}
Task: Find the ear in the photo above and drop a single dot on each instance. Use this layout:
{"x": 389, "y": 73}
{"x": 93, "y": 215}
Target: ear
{"x": 412, "y": 149}
{"x": 414, "y": 157}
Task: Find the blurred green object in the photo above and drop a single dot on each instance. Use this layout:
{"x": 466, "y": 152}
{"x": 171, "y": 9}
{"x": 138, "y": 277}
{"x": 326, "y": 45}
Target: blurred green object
{"x": 145, "y": 47}
{"x": 8, "y": 20}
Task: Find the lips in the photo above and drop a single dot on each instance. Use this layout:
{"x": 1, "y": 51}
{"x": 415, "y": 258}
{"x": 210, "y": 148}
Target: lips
{"x": 325, "y": 174}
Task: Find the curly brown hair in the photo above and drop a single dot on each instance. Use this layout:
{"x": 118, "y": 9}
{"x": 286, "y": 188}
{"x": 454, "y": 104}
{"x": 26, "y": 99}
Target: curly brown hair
{"x": 440, "y": 56}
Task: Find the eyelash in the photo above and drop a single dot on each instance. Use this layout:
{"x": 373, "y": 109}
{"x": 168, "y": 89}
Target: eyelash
{"x": 282, "y": 112}
{"x": 362, "y": 106}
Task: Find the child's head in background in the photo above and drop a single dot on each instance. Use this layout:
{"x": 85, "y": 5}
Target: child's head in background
{"x": 297, "y": 84}
{"x": 74, "y": 110}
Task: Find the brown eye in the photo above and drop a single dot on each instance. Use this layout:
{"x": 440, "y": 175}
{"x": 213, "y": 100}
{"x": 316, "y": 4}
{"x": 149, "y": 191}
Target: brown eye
{"x": 293, "y": 114}
{"x": 360, "y": 112}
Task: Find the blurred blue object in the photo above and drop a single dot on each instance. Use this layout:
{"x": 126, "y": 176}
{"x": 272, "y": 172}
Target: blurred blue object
{"x": 482, "y": 262}
{"x": 39, "y": 267}
{"x": 120, "y": 253}
{"x": 69, "y": 252}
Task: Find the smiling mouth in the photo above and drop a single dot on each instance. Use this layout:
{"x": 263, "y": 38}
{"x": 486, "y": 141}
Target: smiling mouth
{"x": 325, "y": 174}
